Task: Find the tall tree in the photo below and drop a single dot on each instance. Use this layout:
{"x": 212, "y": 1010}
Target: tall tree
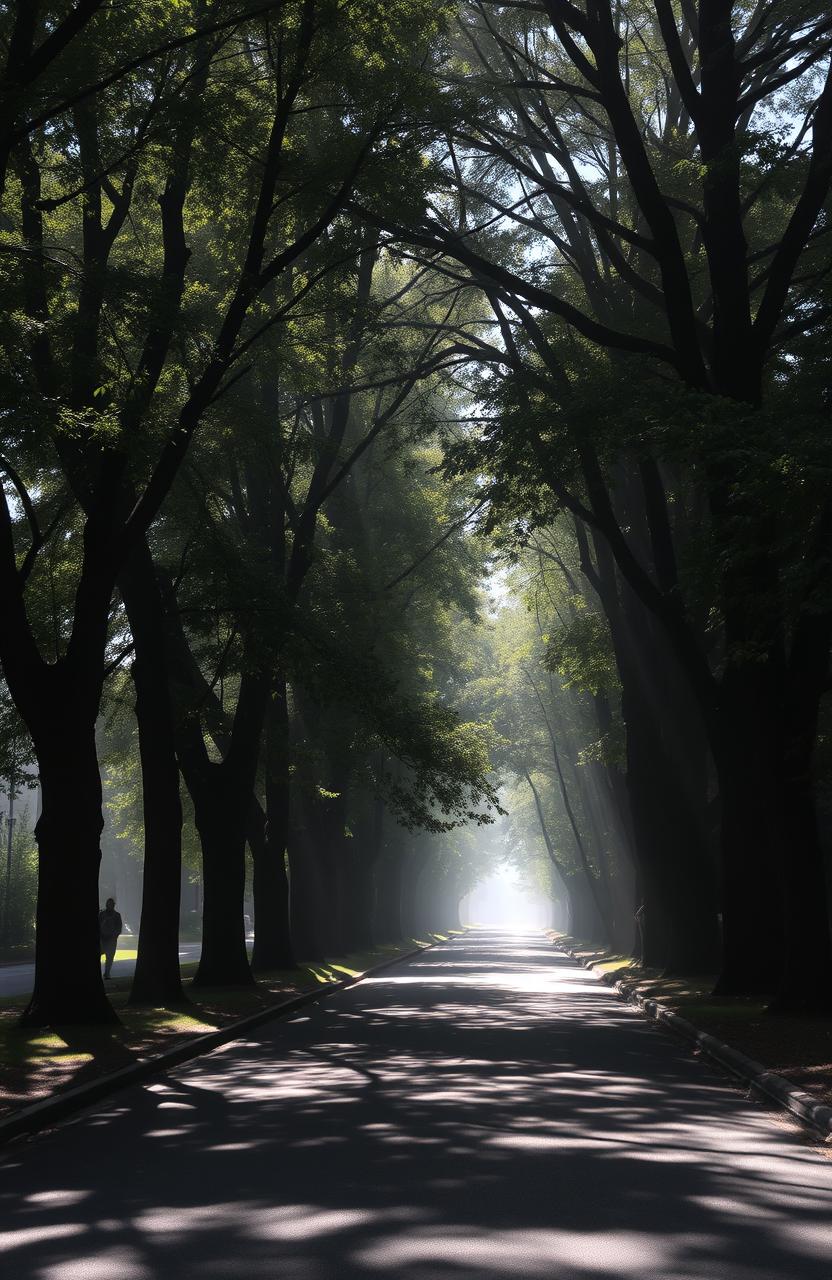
{"x": 121, "y": 362}
{"x": 624, "y": 148}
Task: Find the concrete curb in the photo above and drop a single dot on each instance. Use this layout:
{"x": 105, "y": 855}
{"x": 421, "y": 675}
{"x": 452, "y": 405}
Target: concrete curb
{"x": 41, "y": 1115}
{"x": 757, "y": 1076}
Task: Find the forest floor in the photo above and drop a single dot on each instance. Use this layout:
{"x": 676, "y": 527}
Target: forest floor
{"x": 38, "y": 1062}
{"x": 798, "y": 1048}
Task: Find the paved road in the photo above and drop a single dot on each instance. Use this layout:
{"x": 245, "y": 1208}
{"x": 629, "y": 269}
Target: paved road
{"x": 483, "y": 1112}
{"x": 17, "y": 979}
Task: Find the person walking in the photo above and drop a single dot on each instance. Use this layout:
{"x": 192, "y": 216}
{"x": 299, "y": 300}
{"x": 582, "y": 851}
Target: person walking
{"x": 110, "y": 925}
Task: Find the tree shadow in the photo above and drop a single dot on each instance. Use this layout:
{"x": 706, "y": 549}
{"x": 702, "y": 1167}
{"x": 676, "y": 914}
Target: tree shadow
{"x": 486, "y": 1110}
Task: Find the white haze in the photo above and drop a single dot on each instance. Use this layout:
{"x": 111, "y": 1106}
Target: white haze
{"x": 501, "y": 901}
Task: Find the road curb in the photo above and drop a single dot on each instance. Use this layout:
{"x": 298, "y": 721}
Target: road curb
{"x": 41, "y": 1115}
{"x": 757, "y": 1076}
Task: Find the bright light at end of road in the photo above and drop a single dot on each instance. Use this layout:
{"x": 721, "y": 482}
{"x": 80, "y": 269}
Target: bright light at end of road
{"x": 502, "y": 902}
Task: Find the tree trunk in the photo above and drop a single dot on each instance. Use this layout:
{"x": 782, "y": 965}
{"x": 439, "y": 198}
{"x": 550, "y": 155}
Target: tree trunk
{"x": 222, "y": 797}
{"x": 362, "y": 881}
{"x": 328, "y": 818}
{"x": 561, "y": 903}
{"x": 270, "y": 888}
{"x": 359, "y": 888}
{"x": 360, "y": 892}
{"x": 678, "y": 918}
{"x": 411, "y": 871}
{"x": 428, "y": 889}
{"x": 752, "y": 836}
{"x": 222, "y": 794}
{"x": 561, "y": 913}
{"x": 586, "y": 922}
{"x": 157, "y": 979}
{"x": 806, "y": 979}
{"x": 805, "y": 984}
{"x": 624, "y": 906}
{"x": 68, "y": 989}
{"x": 615, "y": 834}
{"x": 221, "y": 813}
{"x": 272, "y": 932}
{"x": 387, "y": 925}
{"x": 307, "y": 904}
{"x": 775, "y": 906}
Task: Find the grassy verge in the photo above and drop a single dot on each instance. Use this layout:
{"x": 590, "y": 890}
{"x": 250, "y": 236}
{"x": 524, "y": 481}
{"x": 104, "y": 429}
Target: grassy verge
{"x": 798, "y": 1048}
{"x": 38, "y": 1062}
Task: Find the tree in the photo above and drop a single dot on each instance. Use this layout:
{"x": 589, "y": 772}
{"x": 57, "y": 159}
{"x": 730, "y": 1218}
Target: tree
{"x": 121, "y": 363}
{"x": 654, "y": 217}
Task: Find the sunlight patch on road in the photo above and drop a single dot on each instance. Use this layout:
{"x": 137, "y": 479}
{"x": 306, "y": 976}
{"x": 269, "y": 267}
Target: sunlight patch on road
{"x": 305, "y": 1222}
{"x": 553, "y": 980}
{"x": 517, "y": 1253}
{"x": 38, "y": 1235}
{"x": 56, "y": 1199}
{"x": 117, "y": 1263}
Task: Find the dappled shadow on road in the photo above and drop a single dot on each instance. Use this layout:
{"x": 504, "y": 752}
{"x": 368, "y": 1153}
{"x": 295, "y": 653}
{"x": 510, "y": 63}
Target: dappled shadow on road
{"x": 484, "y": 1111}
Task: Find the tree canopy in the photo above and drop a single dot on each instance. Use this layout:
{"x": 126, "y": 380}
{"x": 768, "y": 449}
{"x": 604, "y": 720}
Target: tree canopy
{"x": 413, "y": 418}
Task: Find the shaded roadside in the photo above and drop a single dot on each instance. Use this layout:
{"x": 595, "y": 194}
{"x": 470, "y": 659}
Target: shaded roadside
{"x": 799, "y": 1048}
{"x": 41, "y": 1062}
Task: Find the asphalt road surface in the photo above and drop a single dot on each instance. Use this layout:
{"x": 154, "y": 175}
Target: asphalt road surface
{"x": 18, "y": 979}
{"x": 482, "y": 1112}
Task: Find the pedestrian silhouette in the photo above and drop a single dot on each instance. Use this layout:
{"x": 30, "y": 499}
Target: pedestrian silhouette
{"x": 110, "y": 926}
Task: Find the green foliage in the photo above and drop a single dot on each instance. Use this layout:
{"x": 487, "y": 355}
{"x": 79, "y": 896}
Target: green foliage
{"x": 16, "y": 753}
{"x": 582, "y": 655}
{"x": 608, "y": 750}
{"x": 387, "y": 432}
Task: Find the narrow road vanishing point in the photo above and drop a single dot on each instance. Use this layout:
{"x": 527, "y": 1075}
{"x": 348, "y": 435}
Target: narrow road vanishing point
{"x": 484, "y": 1110}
